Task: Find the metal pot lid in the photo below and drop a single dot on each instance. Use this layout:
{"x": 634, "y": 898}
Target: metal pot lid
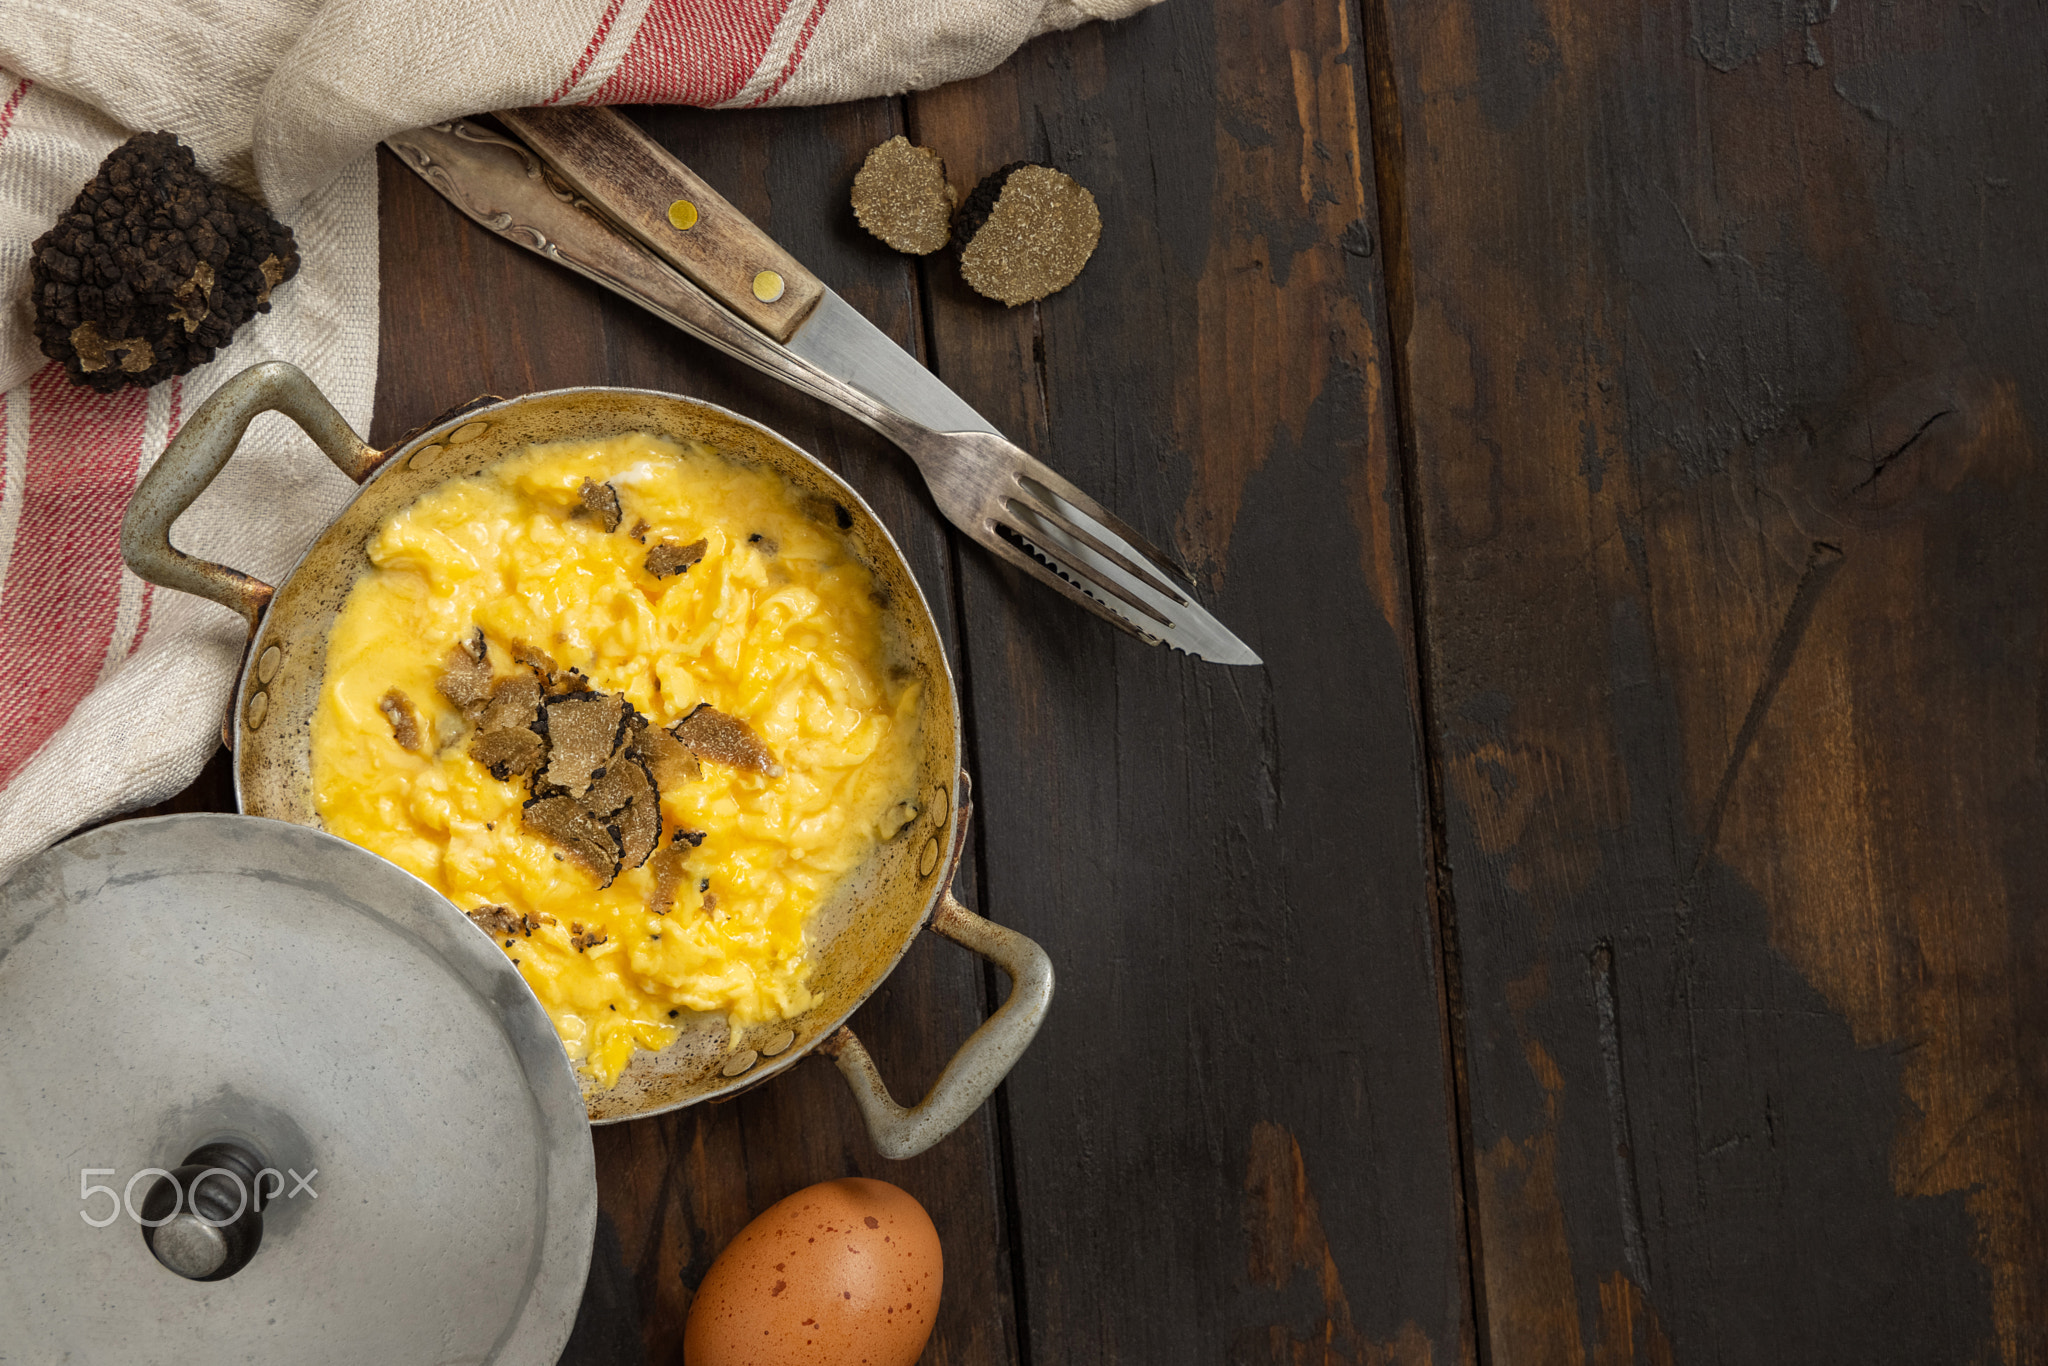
{"x": 312, "y": 1011}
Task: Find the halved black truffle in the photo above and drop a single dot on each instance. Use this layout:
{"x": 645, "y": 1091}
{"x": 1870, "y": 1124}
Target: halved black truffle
{"x": 901, "y": 196}
{"x": 1025, "y": 232}
{"x": 152, "y": 268}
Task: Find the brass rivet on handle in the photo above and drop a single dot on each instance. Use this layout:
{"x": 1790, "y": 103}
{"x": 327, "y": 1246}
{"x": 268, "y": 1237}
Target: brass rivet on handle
{"x": 740, "y": 1062}
{"x": 258, "y": 708}
{"x": 941, "y": 799}
{"x": 468, "y": 431}
{"x": 266, "y": 667}
{"x": 929, "y": 859}
{"x": 422, "y": 456}
{"x": 779, "y": 1044}
{"x": 768, "y": 286}
{"x": 682, "y": 215}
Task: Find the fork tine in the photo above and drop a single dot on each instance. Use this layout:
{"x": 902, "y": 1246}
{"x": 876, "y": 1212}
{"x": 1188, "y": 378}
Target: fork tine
{"x": 1033, "y": 470}
{"x": 999, "y": 544}
{"x": 1053, "y": 541}
{"x": 1091, "y": 551}
{"x": 1046, "y": 510}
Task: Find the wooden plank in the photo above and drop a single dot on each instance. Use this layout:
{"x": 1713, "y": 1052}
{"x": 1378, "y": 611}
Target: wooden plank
{"x": 1725, "y": 372}
{"x": 1232, "y": 1139}
{"x": 464, "y": 314}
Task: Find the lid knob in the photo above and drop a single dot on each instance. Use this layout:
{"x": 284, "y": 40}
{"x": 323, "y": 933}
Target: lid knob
{"x": 205, "y": 1221}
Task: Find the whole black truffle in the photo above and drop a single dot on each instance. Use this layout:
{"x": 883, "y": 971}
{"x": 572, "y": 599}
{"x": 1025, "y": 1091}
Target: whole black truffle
{"x": 152, "y": 268}
{"x": 1025, "y": 232}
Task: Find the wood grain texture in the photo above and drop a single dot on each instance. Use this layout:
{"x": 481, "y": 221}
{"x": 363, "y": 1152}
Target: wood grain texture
{"x": 465, "y": 313}
{"x": 1233, "y": 1138}
{"x": 1725, "y": 371}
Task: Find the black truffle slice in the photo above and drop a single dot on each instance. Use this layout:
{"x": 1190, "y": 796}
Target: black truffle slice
{"x": 583, "y": 730}
{"x": 152, "y": 268}
{"x": 514, "y": 704}
{"x": 533, "y": 657}
{"x": 580, "y": 835}
{"x": 500, "y": 921}
{"x": 671, "y": 875}
{"x": 670, "y": 763}
{"x": 1025, "y": 232}
{"x": 505, "y": 742}
{"x": 509, "y": 753}
{"x": 405, "y": 722}
{"x": 626, "y": 795}
{"x": 496, "y": 921}
{"x": 671, "y": 557}
{"x": 602, "y": 501}
{"x": 710, "y": 734}
{"x": 902, "y": 197}
{"x": 466, "y": 678}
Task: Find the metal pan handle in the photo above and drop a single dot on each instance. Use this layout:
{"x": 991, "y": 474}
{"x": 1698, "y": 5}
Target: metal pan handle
{"x": 982, "y": 1062}
{"x": 190, "y": 463}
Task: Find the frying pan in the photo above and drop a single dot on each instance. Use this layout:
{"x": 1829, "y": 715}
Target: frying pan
{"x": 859, "y": 934}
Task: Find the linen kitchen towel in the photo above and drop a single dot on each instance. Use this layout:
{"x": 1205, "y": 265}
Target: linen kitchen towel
{"x": 112, "y": 694}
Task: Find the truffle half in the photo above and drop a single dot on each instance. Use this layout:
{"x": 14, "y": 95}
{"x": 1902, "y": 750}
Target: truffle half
{"x": 1025, "y": 232}
{"x": 902, "y": 197}
{"x": 152, "y": 268}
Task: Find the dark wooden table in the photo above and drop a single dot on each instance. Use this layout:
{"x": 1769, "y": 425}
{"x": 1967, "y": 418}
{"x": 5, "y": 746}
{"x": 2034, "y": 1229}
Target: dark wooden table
{"x": 1611, "y": 927}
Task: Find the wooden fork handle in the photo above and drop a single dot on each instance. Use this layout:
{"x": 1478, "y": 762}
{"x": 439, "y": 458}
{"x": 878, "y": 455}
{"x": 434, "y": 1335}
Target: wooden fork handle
{"x": 633, "y": 180}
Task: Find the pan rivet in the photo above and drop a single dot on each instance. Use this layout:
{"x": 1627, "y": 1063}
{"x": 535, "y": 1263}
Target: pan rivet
{"x": 740, "y": 1062}
{"x": 266, "y": 667}
{"x": 682, "y": 215}
{"x": 469, "y": 431}
{"x": 778, "y": 1045}
{"x": 767, "y": 286}
{"x": 422, "y": 456}
{"x": 941, "y": 800}
{"x": 929, "y": 859}
{"x": 258, "y": 708}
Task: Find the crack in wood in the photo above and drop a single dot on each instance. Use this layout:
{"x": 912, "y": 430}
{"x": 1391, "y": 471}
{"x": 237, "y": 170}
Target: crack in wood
{"x": 1822, "y": 563}
{"x": 1628, "y": 1190}
{"x": 1884, "y": 462}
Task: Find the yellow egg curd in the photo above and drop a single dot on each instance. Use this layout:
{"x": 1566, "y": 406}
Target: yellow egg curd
{"x": 777, "y": 625}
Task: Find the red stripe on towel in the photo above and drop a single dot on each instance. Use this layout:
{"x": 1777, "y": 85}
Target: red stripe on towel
{"x": 590, "y": 50}
{"x": 64, "y": 578}
{"x": 7, "y": 110}
{"x": 796, "y": 54}
{"x": 697, "y": 52}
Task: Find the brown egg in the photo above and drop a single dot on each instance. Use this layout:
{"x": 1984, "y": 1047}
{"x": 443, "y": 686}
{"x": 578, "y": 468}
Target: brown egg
{"x": 843, "y": 1273}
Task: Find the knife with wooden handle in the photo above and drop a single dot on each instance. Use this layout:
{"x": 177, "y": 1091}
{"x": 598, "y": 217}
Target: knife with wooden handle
{"x": 586, "y": 188}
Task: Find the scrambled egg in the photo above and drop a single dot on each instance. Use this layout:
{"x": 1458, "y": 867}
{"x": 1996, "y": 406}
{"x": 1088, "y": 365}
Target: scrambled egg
{"x": 777, "y": 625}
